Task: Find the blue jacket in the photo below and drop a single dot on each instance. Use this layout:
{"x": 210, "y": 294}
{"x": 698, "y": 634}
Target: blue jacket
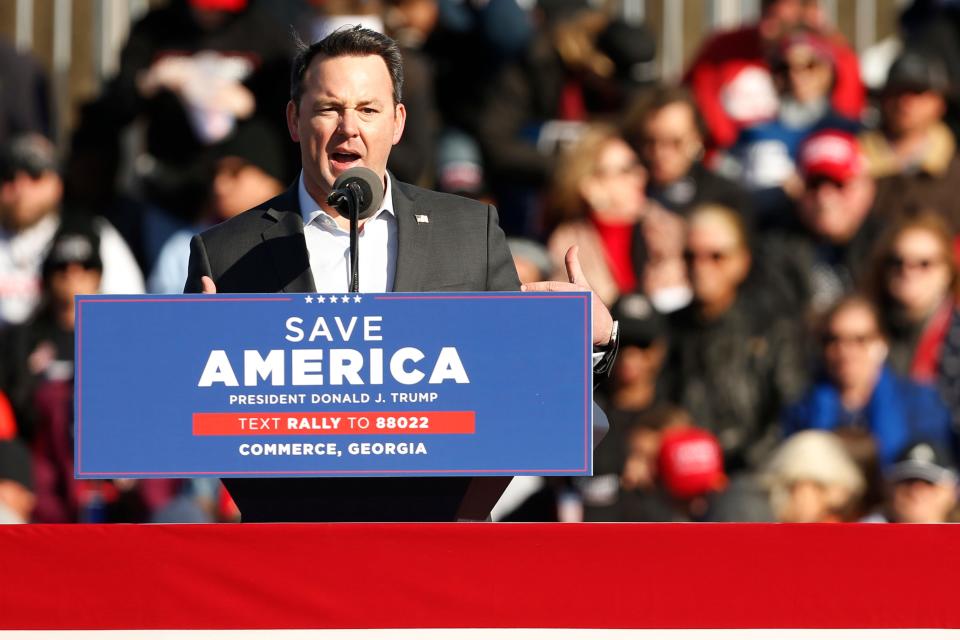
{"x": 900, "y": 412}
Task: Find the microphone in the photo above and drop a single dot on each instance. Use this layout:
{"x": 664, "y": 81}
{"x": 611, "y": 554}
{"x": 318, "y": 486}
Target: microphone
{"x": 357, "y": 194}
{"x": 358, "y": 189}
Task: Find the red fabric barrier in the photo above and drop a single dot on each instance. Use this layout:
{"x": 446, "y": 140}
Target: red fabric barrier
{"x": 478, "y": 575}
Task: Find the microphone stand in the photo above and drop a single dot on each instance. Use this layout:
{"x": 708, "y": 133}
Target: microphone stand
{"x": 348, "y": 198}
{"x": 353, "y": 209}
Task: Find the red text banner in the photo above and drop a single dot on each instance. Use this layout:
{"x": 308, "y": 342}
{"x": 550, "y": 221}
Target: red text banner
{"x": 333, "y": 423}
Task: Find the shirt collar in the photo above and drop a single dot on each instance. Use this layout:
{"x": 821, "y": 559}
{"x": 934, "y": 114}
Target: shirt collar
{"x": 310, "y": 210}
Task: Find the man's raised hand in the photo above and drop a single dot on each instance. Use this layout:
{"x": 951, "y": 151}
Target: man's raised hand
{"x": 602, "y": 321}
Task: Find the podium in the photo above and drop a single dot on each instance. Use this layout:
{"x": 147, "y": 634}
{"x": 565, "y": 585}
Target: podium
{"x": 310, "y": 407}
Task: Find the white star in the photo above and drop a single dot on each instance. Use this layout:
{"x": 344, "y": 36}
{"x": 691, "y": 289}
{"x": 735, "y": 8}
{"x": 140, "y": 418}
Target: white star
{"x": 345, "y": 299}
{"x": 321, "y": 299}
{"x": 308, "y": 299}
{"x": 356, "y": 298}
{"x": 333, "y": 298}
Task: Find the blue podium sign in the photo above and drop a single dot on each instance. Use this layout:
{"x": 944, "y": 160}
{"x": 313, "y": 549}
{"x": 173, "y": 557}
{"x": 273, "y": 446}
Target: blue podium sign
{"x": 333, "y": 385}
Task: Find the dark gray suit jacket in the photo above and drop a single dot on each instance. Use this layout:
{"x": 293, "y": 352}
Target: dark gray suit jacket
{"x": 459, "y": 248}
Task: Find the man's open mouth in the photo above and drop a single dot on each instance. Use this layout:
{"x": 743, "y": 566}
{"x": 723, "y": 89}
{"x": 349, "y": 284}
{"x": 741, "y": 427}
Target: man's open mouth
{"x": 344, "y": 158}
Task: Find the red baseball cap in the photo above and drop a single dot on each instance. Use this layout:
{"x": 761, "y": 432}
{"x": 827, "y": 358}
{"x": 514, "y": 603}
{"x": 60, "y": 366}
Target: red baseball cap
{"x": 818, "y": 46}
{"x": 833, "y": 154}
{"x": 231, "y": 6}
{"x": 690, "y": 462}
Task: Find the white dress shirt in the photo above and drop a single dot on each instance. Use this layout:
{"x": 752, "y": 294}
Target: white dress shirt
{"x": 329, "y": 246}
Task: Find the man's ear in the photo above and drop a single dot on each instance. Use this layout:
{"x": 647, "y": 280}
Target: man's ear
{"x": 399, "y": 120}
{"x": 293, "y": 121}
{"x": 747, "y": 263}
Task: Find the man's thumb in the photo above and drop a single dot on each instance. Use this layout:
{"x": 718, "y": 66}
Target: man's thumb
{"x": 574, "y": 271}
{"x": 207, "y": 285}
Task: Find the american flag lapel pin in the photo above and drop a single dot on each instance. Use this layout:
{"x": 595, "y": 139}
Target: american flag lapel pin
{"x": 422, "y": 219}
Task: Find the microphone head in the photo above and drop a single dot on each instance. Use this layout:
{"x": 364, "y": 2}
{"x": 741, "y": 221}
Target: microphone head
{"x": 370, "y": 189}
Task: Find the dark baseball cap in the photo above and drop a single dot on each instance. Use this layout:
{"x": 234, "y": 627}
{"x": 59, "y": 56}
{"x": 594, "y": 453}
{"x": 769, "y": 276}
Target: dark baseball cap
{"x": 32, "y": 153}
{"x": 640, "y": 323}
{"x": 631, "y": 48}
{"x": 77, "y": 241}
{"x": 918, "y": 71}
{"x": 258, "y": 144}
{"x": 924, "y": 461}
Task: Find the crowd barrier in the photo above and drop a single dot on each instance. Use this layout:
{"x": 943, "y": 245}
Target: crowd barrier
{"x": 479, "y": 581}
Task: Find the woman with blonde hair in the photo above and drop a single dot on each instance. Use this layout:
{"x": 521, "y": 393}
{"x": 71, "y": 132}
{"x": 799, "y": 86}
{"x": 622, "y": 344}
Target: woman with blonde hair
{"x": 627, "y": 243}
{"x": 812, "y": 478}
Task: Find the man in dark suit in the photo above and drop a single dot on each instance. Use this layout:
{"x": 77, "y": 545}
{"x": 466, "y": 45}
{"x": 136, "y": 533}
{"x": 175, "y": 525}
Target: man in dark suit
{"x": 346, "y": 111}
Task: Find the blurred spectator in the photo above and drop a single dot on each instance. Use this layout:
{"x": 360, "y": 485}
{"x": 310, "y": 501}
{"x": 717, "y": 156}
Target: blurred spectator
{"x": 625, "y": 485}
{"x": 40, "y": 354}
{"x": 823, "y": 253}
{"x": 643, "y": 438}
{"x": 934, "y": 26}
{"x": 643, "y": 345}
{"x": 190, "y": 70}
{"x": 25, "y": 99}
{"x": 914, "y": 154}
{"x": 410, "y": 23}
{"x": 544, "y": 87}
{"x": 811, "y": 478}
{"x": 915, "y": 279}
{"x": 731, "y": 79}
{"x": 858, "y": 389}
{"x": 42, "y": 348}
{"x": 532, "y": 260}
{"x": 922, "y": 487}
{"x": 665, "y": 126}
{"x": 765, "y": 155}
{"x": 627, "y": 242}
{"x": 16, "y": 483}
{"x": 538, "y": 105}
{"x": 472, "y": 43}
{"x": 630, "y": 392}
{"x": 460, "y": 166}
{"x": 915, "y": 283}
{"x": 30, "y": 212}
{"x": 732, "y": 363}
{"x": 690, "y": 469}
{"x": 248, "y": 170}
{"x": 861, "y": 446}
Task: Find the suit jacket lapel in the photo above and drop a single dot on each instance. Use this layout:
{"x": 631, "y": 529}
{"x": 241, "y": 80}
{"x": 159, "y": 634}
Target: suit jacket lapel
{"x": 286, "y": 244}
{"x": 413, "y": 242}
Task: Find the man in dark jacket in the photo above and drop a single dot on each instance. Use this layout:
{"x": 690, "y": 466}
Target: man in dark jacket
{"x": 820, "y": 254}
{"x": 733, "y": 362}
{"x": 668, "y": 132}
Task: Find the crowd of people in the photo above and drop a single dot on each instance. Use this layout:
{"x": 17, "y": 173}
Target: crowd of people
{"x": 776, "y": 239}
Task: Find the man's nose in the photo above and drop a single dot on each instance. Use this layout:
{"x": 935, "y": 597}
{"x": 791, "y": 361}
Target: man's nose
{"x": 348, "y": 123}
